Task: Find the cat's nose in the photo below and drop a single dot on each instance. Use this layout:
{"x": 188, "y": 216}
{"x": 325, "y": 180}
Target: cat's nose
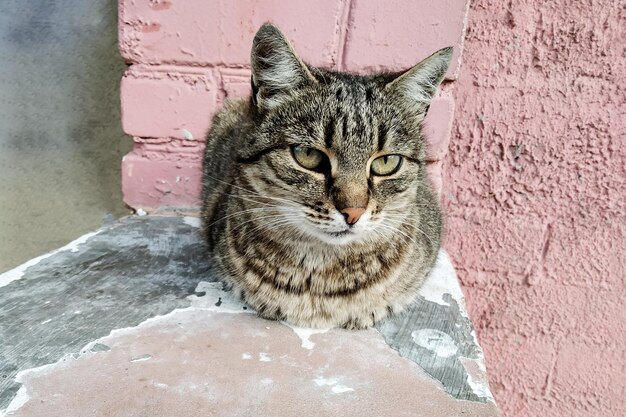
{"x": 352, "y": 214}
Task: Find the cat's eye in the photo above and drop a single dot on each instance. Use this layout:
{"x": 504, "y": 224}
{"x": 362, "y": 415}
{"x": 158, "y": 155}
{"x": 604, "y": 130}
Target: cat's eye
{"x": 386, "y": 165}
{"x": 308, "y": 158}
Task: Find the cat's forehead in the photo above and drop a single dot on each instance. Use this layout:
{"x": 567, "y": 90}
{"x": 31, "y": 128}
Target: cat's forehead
{"x": 350, "y": 116}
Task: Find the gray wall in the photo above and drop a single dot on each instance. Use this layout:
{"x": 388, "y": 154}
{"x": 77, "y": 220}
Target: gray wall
{"x": 60, "y": 137}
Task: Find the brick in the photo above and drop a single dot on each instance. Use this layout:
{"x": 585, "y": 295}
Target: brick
{"x": 155, "y": 179}
{"x": 220, "y": 33}
{"x": 236, "y": 82}
{"x": 410, "y": 31}
{"x": 438, "y": 126}
{"x": 167, "y": 103}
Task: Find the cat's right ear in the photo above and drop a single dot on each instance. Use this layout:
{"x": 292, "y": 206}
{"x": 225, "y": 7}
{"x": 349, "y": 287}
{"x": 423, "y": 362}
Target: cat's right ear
{"x": 276, "y": 69}
{"x": 416, "y": 86}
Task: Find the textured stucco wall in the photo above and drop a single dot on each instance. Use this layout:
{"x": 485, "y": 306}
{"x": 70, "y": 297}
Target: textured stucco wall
{"x": 534, "y": 189}
{"x": 60, "y": 136}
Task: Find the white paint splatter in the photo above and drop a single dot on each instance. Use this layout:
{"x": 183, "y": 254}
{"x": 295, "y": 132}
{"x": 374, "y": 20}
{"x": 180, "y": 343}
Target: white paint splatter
{"x": 267, "y": 381}
{"x": 186, "y": 134}
{"x": 246, "y": 356}
{"x": 479, "y": 387}
{"x": 333, "y": 383}
{"x": 18, "y": 272}
{"x": 141, "y": 212}
{"x": 340, "y": 389}
{"x": 321, "y": 381}
{"x": 77, "y": 312}
{"x": 442, "y": 280}
{"x": 160, "y": 385}
{"x": 216, "y": 299}
{"x": 436, "y": 341}
{"x": 304, "y": 333}
{"x": 264, "y": 357}
{"x": 192, "y": 221}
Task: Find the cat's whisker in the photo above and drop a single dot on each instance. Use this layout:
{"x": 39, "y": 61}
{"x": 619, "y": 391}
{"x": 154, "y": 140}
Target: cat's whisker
{"x": 417, "y": 229}
{"x": 269, "y": 226}
{"x": 246, "y": 189}
{"x": 257, "y": 199}
{"x": 238, "y": 213}
{"x": 395, "y": 229}
{"x": 277, "y": 216}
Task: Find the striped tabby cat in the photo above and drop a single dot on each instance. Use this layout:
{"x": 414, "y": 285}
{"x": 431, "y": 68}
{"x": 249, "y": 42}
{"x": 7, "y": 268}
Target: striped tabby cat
{"x": 316, "y": 207}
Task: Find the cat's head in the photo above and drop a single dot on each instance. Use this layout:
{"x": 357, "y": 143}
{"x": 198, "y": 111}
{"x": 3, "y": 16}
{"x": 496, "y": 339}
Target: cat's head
{"x": 341, "y": 156}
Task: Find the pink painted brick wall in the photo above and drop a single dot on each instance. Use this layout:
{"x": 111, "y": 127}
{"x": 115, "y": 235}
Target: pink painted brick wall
{"x": 188, "y": 56}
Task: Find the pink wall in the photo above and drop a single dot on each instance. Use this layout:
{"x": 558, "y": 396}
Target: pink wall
{"x": 188, "y": 56}
{"x": 534, "y": 194}
{"x": 533, "y": 178}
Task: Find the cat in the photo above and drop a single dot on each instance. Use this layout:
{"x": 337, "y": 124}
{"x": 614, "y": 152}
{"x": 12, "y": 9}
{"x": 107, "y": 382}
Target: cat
{"x": 315, "y": 206}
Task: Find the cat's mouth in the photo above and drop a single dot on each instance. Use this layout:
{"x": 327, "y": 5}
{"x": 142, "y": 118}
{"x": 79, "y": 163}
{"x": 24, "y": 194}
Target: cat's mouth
{"x": 340, "y": 234}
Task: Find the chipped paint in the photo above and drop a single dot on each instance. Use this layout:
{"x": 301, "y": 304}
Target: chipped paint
{"x": 210, "y": 299}
{"x": 18, "y": 272}
{"x": 477, "y": 377}
{"x": 141, "y": 358}
{"x": 442, "y": 280}
{"x": 22, "y": 397}
{"x": 18, "y": 401}
{"x": 208, "y": 338}
{"x": 190, "y": 220}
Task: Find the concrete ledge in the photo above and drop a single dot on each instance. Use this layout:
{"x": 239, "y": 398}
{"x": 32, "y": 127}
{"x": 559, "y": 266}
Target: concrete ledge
{"x": 130, "y": 320}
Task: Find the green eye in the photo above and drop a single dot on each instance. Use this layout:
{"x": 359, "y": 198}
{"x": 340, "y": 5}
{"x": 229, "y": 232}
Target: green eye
{"x": 308, "y": 158}
{"x": 386, "y": 165}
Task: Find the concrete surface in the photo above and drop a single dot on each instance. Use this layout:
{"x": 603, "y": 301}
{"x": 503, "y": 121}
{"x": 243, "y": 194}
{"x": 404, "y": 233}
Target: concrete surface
{"x": 187, "y": 58}
{"x": 130, "y": 321}
{"x": 60, "y": 136}
{"x": 535, "y": 195}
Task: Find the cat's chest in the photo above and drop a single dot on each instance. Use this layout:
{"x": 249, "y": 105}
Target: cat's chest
{"x": 301, "y": 268}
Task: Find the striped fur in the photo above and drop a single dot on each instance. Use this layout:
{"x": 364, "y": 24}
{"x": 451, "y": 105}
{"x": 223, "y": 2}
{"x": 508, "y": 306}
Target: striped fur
{"x": 274, "y": 229}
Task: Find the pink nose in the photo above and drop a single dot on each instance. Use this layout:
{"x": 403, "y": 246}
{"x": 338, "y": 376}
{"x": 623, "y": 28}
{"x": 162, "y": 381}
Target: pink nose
{"x": 352, "y": 214}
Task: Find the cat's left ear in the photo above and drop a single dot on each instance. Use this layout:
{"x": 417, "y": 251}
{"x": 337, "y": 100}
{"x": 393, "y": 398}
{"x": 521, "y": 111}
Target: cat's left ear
{"x": 276, "y": 69}
{"x": 416, "y": 86}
